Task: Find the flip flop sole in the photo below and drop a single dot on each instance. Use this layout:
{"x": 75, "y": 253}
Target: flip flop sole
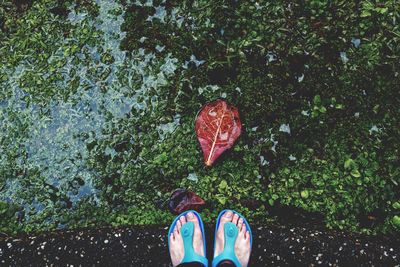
{"x": 240, "y": 216}
{"x": 172, "y": 226}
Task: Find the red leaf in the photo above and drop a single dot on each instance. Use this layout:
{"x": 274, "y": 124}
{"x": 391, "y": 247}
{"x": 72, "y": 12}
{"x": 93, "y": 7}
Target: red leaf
{"x": 217, "y": 127}
{"x": 182, "y": 200}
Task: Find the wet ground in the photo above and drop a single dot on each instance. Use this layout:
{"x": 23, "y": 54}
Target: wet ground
{"x": 275, "y": 245}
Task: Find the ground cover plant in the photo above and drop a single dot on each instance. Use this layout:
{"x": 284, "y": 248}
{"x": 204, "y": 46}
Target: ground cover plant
{"x": 98, "y": 101}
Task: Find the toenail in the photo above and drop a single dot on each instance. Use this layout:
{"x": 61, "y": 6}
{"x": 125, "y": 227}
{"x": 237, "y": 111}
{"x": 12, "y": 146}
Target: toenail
{"x": 190, "y": 215}
{"x": 229, "y": 214}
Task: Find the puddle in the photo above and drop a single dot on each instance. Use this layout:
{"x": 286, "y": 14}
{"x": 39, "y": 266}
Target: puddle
{"x": 98, "y": 85}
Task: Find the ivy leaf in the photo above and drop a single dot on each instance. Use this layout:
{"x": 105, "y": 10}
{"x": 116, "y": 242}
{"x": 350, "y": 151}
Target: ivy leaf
{"x": 161, "y": 158}
{"x": 355, "y": 173}
{"x": 365, "y": 13}
{"x": 221, "y": 199}
{"x": 217, "y": 126}
{"x": 304, "y": 194}
{"x": 223, "y": 184}
{"x": 382, "y": 10}
{"x": 271, "y": 202}
{"x": 349, "y": 164}
{"x": 396, "y": 205}
{"x": 396, "y": 220}
{"x": 339, "y": 106}
{"x": 317, "y": 100}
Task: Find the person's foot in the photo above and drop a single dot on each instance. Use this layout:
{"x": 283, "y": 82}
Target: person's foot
{"x": 242, "y": 243}
{"x": 176, "y": 248}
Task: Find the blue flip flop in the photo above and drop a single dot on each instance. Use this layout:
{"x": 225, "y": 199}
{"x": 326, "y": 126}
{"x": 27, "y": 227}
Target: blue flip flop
{"x": 187, "y": 231}
{"x": 230, "y": 233}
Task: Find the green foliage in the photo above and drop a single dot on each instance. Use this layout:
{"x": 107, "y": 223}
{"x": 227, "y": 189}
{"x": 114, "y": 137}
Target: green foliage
{"x": 396, "y": 221}
{"x": 327, "y": 69}
{"x": 8, "y": 218}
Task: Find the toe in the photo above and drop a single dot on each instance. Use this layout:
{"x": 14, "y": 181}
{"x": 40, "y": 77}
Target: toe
{"x": 235, "y": 218}
{"x": 171, "y": 237}
{"x": 197, "y": 234}
{"x": 178, "y": 225}
{"x": 176, "y": 233}
{"x": 190, "y": 217}
{"x": 182, "y": 219}
{"x": 227, "y": 217}
{"x": 243, "y": 230}
{"x": 247, "y": 235}
{"x": 240, "y": 224}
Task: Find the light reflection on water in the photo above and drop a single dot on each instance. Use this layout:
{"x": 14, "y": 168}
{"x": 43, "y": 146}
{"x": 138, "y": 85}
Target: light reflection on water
{"x": 57, "y": 132}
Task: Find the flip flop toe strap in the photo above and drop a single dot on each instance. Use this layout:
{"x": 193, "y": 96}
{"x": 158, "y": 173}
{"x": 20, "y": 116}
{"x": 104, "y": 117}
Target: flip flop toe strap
{"x": 228, "y": 254}
{"x": 187, "y": 231}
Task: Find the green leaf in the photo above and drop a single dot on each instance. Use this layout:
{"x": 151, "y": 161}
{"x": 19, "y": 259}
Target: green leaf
{"x": 355, "y": 173}
{"x": 349, "y": 164}
{"x": 396, "y": 205}
{"x": 223, "y": 184}
{"x": 271, "y": 202}
{"x": 237, "y": 148}
{"x": 322, "y": 109}
{"x": 221, "y": 199}
{"x": 304, "y": 194}
{"x": 376, "y": 108}
{"x": 365, "y": 13}
{"x": 317, "y": 100}
{"x": 396, "y": 221}
{"x": 382, "y": 10}
{"x": 314, "y": 113}
{"x": 161, "y": 158}
{"x": 339, "y": 106}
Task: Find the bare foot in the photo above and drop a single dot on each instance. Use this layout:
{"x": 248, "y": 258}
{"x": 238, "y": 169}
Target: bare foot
{"x": 242, "y": 243}
{"x": 176, "y": 248}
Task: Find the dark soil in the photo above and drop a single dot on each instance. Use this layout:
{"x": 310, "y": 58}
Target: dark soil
{"x": 147, "y": 246}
